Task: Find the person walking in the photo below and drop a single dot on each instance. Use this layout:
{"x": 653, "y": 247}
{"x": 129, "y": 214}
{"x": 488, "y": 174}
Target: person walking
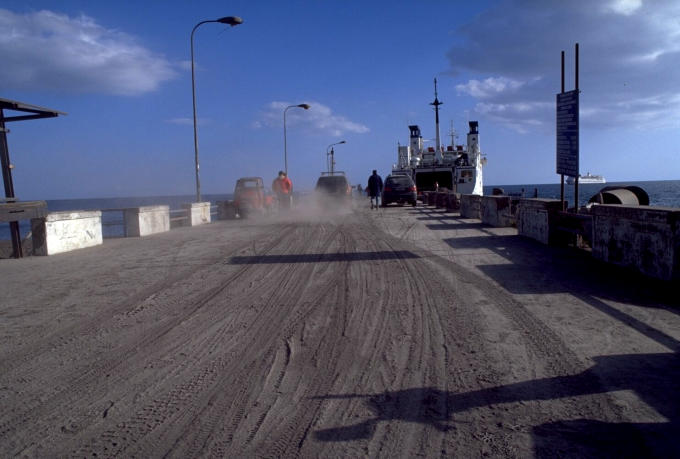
{"x": 374, "y": 188}
{"x": 283, "y": 188}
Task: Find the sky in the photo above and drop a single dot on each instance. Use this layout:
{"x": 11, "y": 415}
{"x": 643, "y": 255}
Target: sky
{"x": 122, "y": 72}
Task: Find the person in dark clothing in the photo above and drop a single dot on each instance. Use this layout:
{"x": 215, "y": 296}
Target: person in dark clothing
{"x": 374, "y": 188}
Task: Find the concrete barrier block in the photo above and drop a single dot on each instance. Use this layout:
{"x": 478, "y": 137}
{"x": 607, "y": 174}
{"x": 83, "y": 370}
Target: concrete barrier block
{"x": 142, "y": 221}
{"x": 497, "y": 211}
{"x": 470, "y": 206}
{"x": 198, "y": 213}
{"x": 453, "y": 201}
{"x": 534, "y": 217}
{"x": 430, "y": 198}
{"x": 641, "y": 237}
{"x": 441, "y": 198}
{"x": 65, "y": 231}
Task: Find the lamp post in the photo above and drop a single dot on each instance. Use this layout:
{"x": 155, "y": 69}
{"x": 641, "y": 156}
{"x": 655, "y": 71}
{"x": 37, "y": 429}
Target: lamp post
{"x": 229, "y": 20}
{"x": 285, "y": 147}
{"x": 331, "y": 165}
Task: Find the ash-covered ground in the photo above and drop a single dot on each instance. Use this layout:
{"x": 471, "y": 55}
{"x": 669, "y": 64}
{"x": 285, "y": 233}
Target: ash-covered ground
{"x": 399, "y": 332}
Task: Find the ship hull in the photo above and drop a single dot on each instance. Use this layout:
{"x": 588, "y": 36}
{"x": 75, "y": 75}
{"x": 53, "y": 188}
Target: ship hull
{"x": 586, "y": 179}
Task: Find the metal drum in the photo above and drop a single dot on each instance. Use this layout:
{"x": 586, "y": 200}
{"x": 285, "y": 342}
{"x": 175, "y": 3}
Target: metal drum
{"x": 625, "y": 195}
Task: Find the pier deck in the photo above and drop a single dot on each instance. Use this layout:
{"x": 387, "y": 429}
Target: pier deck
{"x": 391, "y": 333}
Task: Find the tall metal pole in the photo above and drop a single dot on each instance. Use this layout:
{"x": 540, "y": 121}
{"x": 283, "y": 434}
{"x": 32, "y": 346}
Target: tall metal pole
{"x": 576, "y": 200}
{"x": 331, "y": 165}
{"x": 562, "y": 175}
{"x": 9, "y": 186}
{"x": 193, "y": 99}
{"x": 229, "y": 20}
{"x": 328, "y": 159}
{"x": 285, "y": 142}
{"x": 332, "y": 161}
{"x": 436, "y": 104}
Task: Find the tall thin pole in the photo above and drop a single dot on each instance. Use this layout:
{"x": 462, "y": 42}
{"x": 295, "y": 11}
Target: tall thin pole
{"x": 576, "y": 200}
{"x": 9, "y": 186}
{"x": 330, "y": 156}
{"x": 232, "y": 21}
{"x": 562, "y": 175}
{"x": 436, "y": 104}
{"x": 193, "y": 99}
{"x": 285, "y": 143}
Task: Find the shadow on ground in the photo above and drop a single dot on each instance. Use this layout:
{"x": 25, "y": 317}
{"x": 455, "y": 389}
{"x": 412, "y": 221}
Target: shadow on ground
{"x": 652, "y": 377}
{"x": 453, "y": 226}
{"x": 323, "y": 257}
{"x": 529, "y": 267}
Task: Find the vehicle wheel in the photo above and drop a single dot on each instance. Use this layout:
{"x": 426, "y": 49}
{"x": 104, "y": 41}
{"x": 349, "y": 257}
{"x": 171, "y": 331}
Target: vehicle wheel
{"x": 414, "y": 203}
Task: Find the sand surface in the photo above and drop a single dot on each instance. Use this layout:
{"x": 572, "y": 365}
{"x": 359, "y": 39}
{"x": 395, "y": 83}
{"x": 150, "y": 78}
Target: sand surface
{"x": 393, "y": 333}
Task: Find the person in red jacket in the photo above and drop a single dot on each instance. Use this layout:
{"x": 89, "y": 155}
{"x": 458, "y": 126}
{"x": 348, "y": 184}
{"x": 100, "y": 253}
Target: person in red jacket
{"x": 283, "y": 188}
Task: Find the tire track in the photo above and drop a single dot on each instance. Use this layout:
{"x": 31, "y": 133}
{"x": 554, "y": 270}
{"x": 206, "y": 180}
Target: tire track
{"x": 214, "y": 402}
{"x": 74, "y": 335}
{"x": 72, "y": 390}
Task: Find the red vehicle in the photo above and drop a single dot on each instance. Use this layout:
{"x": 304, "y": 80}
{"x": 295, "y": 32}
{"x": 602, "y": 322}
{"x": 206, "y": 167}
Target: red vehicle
{"x": 251, "y": 197}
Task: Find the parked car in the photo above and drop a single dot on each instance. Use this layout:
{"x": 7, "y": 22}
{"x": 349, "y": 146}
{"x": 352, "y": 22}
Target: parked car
{"x": 334, "y": 188}
{"x": 400, "y": 189}
{"x": 251, "y": 197}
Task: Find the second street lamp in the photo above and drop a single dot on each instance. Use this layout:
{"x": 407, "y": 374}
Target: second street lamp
{"x": 285, "y": 147}
{"x": 331, "y": 163}
{"x": 229, "y": 20}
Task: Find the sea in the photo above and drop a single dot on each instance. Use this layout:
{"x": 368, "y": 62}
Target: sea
{"x": 112, "y": 210}
{"x": 663, "y": 193}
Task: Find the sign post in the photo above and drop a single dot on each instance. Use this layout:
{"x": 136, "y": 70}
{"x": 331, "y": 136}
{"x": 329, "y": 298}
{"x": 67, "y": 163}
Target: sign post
{"x": 567, "y": 134}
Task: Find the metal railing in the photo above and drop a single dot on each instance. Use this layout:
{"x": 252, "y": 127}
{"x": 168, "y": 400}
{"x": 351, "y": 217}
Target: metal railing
{"x": 178, "y": 218}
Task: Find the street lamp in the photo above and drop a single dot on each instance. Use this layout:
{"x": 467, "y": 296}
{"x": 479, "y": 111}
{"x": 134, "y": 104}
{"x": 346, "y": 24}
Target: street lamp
{"x": 229, "y": 20}
{"x": 331, "y": 165}
{"x": 285, "y": 147}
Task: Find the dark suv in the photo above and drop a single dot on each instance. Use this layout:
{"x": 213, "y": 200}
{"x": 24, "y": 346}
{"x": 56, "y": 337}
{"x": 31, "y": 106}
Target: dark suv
{"x": 399, "y": 188}
{"x": 334, "y": 187}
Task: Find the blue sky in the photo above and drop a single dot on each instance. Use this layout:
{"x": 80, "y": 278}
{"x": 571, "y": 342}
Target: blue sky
{"x": 121, "y": 71}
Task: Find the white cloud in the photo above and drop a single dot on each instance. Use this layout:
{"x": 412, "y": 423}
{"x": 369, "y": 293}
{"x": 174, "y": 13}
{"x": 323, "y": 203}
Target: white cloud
{"x": 489, "y": 87}
{"x": 51, "y": 51}
{"x": 319, "y": 118}
{"x": 625, "y": 7}
{"x": 519, "y": 116}
{"x": 629, "y": 54}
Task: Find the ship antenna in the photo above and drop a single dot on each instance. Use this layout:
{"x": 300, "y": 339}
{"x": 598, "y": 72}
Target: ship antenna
{"x": 436, "y": 104}
{"x": 453, "y": 135}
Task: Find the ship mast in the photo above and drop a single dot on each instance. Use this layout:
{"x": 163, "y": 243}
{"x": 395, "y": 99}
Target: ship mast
{"x": 436, "y": 104}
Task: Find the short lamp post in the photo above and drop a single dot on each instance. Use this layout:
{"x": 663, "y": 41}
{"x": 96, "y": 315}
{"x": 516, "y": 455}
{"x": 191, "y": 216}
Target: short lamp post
{"x": 285, "y": 147}
{"x": 229, "y": 20}
{"x": 331, "y": 163}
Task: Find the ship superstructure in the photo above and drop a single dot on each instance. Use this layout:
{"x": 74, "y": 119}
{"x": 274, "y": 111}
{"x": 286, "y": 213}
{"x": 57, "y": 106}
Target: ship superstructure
{"x": 588, "y": 178}
{"x": 454, "y": 167}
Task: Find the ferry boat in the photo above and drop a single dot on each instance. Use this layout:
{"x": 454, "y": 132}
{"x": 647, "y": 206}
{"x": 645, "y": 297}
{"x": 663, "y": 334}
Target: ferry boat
{"x": 588, "y": 178}
{"x": 456, "y": 167}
